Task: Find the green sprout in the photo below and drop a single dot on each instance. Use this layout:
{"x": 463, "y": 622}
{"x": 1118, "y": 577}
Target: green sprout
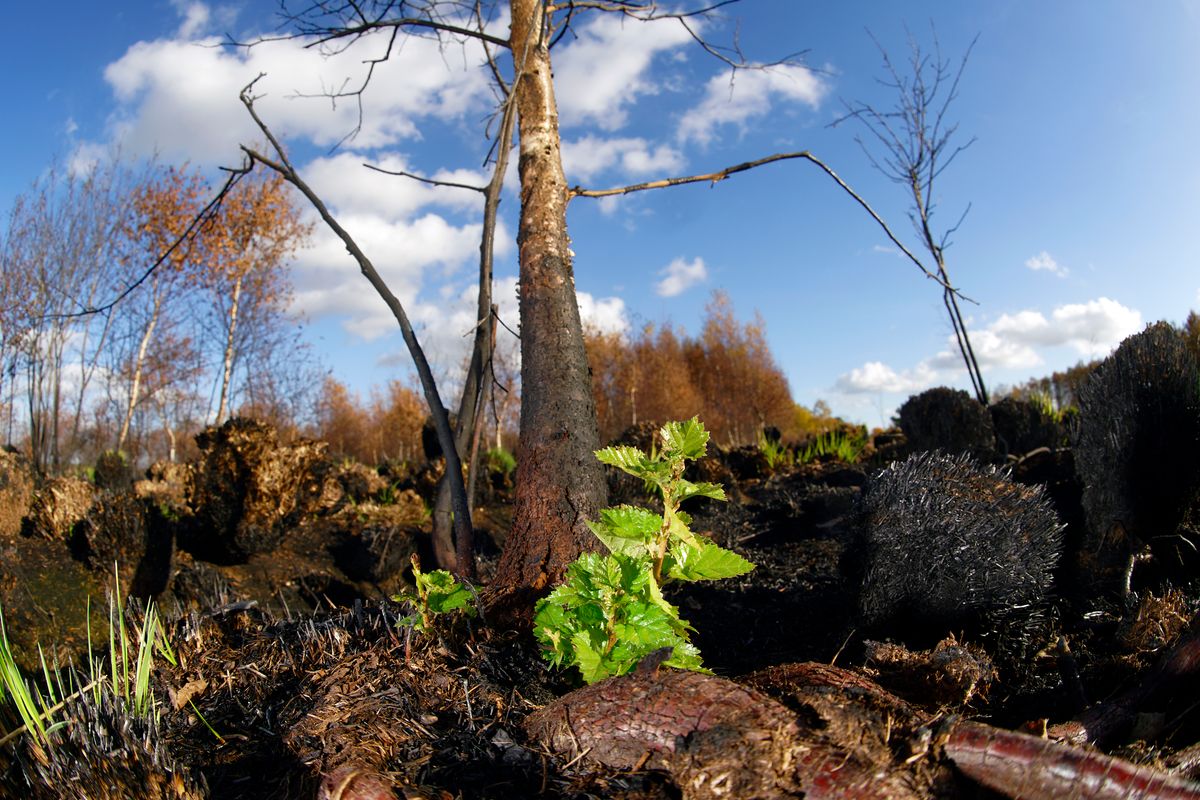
{"x": 775, "y": 452}
{"x": 437, "y": 592}
{"x": 842, "y": 446}
{"x": 131, "y": 652}
{"x": 610, "y": 612}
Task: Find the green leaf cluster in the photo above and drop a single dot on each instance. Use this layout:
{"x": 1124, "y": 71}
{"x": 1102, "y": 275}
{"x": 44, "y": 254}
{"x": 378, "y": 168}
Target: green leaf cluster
{"x": 608, "y": 616}
{"x": 437, "y": 592}
{"x": 610, "y": 612}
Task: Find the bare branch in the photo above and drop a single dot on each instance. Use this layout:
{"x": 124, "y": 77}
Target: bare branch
{"x": 462, "y": 513}
{"x": 720, "y": 175}
{"x": 430, "y": 181}
{"x": 916, "y": 141}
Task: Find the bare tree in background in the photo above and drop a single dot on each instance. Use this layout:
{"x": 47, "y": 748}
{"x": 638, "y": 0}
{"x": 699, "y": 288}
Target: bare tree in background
{"x": 257, "y": 229}
{"x": 59, "y": 256}
{"x": 917, "y": 143}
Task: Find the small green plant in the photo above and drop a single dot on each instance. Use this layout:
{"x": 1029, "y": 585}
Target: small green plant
{"x": 437, "y": 592}
{"x": 31, "y": 706}
{"x": 610, "y": 612}
{"x": 131, "y": 655}
{"x": 776, "y": 452}
{"x": 501, "y": 461}
{"x": 838, "y": 444}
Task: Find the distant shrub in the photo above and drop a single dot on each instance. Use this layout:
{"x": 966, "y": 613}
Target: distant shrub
{"x": 501, "y": 461}
{"x": 112, "y": 473}
{"x": 840, "y": 445}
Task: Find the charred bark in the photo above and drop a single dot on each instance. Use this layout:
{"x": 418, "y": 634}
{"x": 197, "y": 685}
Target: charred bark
{"x": 559, "y": 482}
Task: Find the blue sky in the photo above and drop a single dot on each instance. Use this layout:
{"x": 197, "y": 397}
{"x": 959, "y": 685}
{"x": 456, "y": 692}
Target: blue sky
{"x": 1084, "y": 181}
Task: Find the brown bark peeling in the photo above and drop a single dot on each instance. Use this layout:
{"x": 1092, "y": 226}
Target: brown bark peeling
{"x": 560, "y": 484}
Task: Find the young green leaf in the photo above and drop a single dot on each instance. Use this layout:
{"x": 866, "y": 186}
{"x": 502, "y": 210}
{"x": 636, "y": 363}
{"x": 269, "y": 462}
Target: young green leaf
{"x": 437, "y": 592}
{"x": 685, "y": 489}
{"x": 627, "y": 458}
{"x": 627, "y": 529}
{"x": 610, "y": 612}
{"x": 687, "y": 439}
{"x": 445, "y": 594}
{"x": 707, "y": 562}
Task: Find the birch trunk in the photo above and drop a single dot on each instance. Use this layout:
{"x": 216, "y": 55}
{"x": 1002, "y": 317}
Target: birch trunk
{"x": 560, "y": 484}
{"x": 227, "y": 368}
{"x": 136, "y": 385}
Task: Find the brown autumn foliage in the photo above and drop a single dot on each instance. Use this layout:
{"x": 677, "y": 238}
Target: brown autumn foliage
{"x": 727, "y": 375}
{"x": 386, "y": 427}
{"x": 258, "y": 228}
{"x": 1191, "y": 333}
{"x": 161, "y": 210}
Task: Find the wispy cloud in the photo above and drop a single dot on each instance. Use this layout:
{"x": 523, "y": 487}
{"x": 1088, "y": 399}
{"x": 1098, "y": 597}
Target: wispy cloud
{"x": 1044, "y": 262}
{"x": 679, "y": 276}
{"x": 750, "y": 95}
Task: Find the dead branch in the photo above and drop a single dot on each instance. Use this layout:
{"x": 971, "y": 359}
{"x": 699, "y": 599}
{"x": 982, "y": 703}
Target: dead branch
{"x": 430, "y": 181}
{"x": 720, "y": 175}
{"x": 462, "y": 515}
{"x": 916, "y": 141}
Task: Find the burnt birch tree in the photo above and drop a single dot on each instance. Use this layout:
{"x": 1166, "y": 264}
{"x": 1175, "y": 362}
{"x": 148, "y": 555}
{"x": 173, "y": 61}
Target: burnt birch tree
{"x": 560, "y": 485}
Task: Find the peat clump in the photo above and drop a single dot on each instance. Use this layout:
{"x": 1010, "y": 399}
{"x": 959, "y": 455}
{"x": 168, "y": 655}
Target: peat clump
{"x": 106, "y": 753}
{"x": 949, "y": 420}
{"x": 248, "y": 490}
{"x": 1022, "y": 426}
{"x": 16, "y": 492}
{"x": 1137, "y": 451}
{"x": 945, "y": 544}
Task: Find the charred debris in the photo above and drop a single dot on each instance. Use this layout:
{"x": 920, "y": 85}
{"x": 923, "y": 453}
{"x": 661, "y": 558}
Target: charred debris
{"x": 998, "y": 597}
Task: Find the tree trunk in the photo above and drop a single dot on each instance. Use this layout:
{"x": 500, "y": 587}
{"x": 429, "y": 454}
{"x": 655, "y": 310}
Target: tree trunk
{"x": 470, "y": 407}
{"x": 227, "y": 370}
{"x": 136, "y": 385}
{"x": 560, "y": 484}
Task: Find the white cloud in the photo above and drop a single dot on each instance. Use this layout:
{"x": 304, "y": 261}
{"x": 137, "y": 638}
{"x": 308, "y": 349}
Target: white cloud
{"x": 610, "y": 204}
{"x": 406, "y": 253}
{"x": 1014, "y": 341}
{"x": 179, "y": 97}
{"x": 751, "y": 94}
{"x": 444, "y": 328}
{"x": 875, "y": 377}
{"x": 196, "y": 17}
{"x": 679, "y": 276}
{"x": 1093, "y": 328}
{"x": 589, "y": 156}
{"x": 86, "y": 157}
{"x": 1044, "y": 261}
{"x": 603, "y": 72}
{"x": 345, "y": 184}
{"x": 606, "y": 315}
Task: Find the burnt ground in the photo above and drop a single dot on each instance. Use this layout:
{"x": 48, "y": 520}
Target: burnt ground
{"x": 294, "y": 680}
